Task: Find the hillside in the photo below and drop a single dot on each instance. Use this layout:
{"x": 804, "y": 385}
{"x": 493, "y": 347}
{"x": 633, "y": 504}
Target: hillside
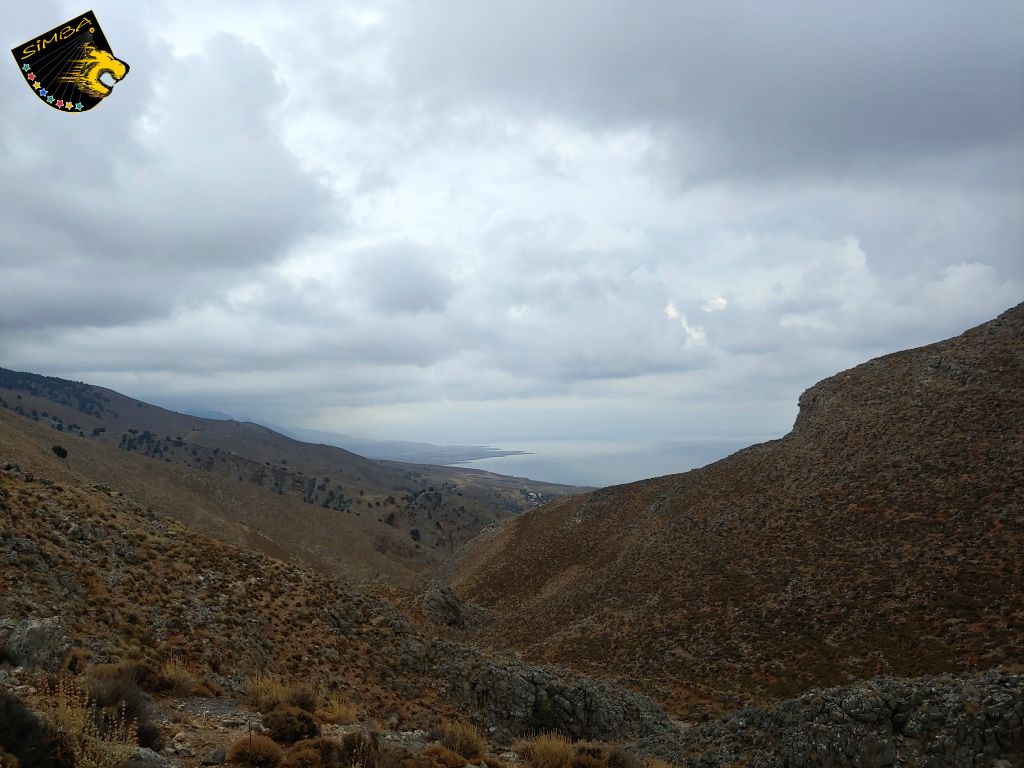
{"x": 883, "y": 535}
{"x": 222, "y": 640}
{"x": 317, "y": 504}
{"x": 90, "y": 578}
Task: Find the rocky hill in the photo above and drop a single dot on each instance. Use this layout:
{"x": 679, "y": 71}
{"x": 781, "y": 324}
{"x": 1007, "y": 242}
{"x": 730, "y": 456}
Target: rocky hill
{"x": 884, "y": 535}
{"x": 850, "y": 595}
{"x": 317, "y": 504}
{"x": 225, "y": 641}
{"x": 90, "y": 577}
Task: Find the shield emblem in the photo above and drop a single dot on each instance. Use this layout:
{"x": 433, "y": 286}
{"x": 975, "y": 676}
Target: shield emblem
{"x": 70, "y": 68}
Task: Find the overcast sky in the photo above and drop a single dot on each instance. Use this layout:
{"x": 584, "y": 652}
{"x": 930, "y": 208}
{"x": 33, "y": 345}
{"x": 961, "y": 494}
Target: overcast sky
{"x": 473, "y": 221}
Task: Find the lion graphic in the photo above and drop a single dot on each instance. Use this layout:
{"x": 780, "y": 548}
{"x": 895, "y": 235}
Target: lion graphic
{"x": 85, "y": 73}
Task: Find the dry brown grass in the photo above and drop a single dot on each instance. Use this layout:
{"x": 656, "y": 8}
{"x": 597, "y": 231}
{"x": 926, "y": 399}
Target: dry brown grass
{"x": 96, "y": 742}
{"x": 338, "y": 711}
{"x": 183, "y": 677}
{"x": 304, "y": 754}
{"x": 657, "y": 762}
{"x": 267, "y": 692}
{"x": 255, "y": 750}
{"x": 442, "y": 757}
{"x": 548, "y": 750}
{"x": 463, "y": 738}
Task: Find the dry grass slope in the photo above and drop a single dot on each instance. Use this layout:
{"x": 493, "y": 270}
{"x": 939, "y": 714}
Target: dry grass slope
{"x": 883, "y": 535}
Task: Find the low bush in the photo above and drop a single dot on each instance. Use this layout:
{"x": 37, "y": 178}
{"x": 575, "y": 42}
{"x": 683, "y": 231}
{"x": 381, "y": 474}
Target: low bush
{"x": 338, "y": 712}
{"x": 463, "y": 738}
{"x": 182, "y": 677}
{"x": 548, "y": 750}
{"x": 354, "y": 750}
{"x": 116, "y": 695}
{"x": 255, "y": 750}
{"x": 94, "y": 736}
{"x": 267, "y": 692}
{"x": 290, "y": 724}
{"x": 28, "y": 740}
{"x": 442, "y": 757}
{"x": 620, "y": 758}
{"x": 305, "y": 754}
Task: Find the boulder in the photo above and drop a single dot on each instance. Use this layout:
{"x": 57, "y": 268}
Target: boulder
{"x": 38, "y": 643}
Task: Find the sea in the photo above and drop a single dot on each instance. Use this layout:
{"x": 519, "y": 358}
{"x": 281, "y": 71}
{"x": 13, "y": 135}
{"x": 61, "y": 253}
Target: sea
{"x": 598, "y": 464}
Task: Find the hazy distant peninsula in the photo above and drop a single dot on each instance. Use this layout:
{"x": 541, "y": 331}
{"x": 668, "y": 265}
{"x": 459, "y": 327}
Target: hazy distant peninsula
{"x": 403, "y": 450}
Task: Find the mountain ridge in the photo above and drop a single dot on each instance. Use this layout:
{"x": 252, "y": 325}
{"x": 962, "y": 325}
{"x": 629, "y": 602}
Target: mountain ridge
{"x": 325, "y": 506}
{"x": 880, "y": 536}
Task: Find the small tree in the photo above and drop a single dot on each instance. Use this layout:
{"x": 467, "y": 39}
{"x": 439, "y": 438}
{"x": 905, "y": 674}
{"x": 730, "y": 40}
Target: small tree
{"x": 62, "y": 453}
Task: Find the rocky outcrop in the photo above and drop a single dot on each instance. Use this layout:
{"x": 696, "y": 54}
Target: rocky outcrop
{"x": 968, "y": 721}
{"x": 37, "y": 643}
{"x": 443, "y": 607}
{"x": 516, "y": 697}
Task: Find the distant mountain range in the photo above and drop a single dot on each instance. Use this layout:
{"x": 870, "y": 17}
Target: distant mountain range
{"x": 400, "y": 450}
{"x": 319, "y": 504}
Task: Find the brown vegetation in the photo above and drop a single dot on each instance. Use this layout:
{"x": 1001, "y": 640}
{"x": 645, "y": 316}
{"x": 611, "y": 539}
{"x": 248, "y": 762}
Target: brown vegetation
{"x": 463, "y": 738}
{"x": 255, "y": 750}
{"x": 881, "y": 536}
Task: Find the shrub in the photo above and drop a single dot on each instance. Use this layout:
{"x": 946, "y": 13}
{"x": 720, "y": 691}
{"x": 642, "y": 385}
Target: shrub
{"x": 305, "y": 754}
{"x": 463, "y": 738}
{"x": 267, "y": 692}
{"x": 115, "y": 692}
{"x": 60, "y": 451}
{"x": 94, "y": 736}
{"x": 256, "y": 750}
{"x": 443, "y": 757}
{"x": 620, "y": 758}
{"x": 303, "y": 695}
{"x": 27, "y": 739}
{"x": 548, "y": 750}
{"x": 584, "y": 760}
{"x": 182, "y": 678}
{"x": 290, "y": 724}
{"x": 358, "y": 749}
{"x": 338, "y": 712}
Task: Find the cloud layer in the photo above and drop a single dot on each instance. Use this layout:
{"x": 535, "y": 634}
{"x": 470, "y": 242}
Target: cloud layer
{"x": 482, "y": 222}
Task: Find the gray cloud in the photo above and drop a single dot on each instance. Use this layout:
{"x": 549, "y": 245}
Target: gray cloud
{"x": 737, "y": 88}
{"x": 164, "y": 195}
{"x": 403, "y": 278}
{"x": 476, "y": 222}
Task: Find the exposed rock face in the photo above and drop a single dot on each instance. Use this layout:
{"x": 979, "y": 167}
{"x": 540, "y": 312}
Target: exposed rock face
{"x": 970, "y": 721}
{"x": 517, "y": 697}
{"x": 37, "y": 643}
{"x": 442, "y": 606}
